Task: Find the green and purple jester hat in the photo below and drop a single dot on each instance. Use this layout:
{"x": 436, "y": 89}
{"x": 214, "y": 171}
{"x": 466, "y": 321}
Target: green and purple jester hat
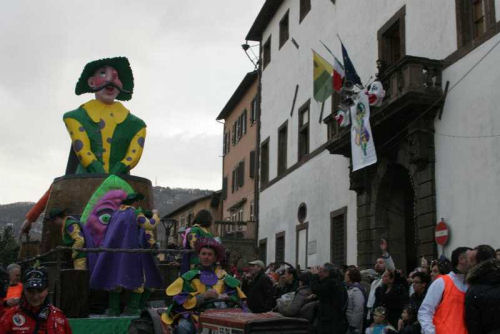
{"x": 95, "y": 217}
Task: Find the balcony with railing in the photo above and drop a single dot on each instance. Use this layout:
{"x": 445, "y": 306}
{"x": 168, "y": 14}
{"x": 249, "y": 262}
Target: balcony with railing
{"x": 413, "y": 91}
{"x": 236, "y": 229}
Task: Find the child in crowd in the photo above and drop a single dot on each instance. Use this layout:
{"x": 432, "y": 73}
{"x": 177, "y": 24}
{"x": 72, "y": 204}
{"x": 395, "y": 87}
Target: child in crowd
{"x": 408, "y": 324}
{"x": 380, "y": 324}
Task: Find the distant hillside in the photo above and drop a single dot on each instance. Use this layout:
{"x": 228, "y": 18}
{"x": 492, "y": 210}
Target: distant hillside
{"x": 14, "y": 214}
{"x": 165, "y": 199}
{"x": 169, "y": 199}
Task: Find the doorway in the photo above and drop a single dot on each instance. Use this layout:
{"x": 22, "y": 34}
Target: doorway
{"x": 395, "y": 217}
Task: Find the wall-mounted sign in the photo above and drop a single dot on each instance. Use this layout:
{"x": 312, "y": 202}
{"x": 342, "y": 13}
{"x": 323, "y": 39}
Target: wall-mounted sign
{"x": 312, "y": 247}
{"x": 441, "y": 234}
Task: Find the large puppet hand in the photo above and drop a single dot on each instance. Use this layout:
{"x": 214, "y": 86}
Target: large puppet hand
{"x": 118, "y": 168}
{"x": 96, "y": 167}
{"x": 26, "y": 226}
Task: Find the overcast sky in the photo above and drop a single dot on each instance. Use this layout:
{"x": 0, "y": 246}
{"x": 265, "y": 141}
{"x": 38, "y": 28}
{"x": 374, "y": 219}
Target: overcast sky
{"x": 187, "y": 61}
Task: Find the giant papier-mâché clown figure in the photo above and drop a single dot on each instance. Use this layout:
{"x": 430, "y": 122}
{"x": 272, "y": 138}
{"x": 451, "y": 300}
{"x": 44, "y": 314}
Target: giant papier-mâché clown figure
{"x": 110, "y": 221}
{"x": 205, "y": 287}
{"x": 105, "y": 200}
{"x": 105, "y": 136}
{"x": 128, "y": 227}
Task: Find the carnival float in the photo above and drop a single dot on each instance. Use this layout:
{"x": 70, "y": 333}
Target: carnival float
{"x": 98, "y": 234}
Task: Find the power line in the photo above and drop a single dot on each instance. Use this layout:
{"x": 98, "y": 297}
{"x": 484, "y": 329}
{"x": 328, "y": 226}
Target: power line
{"x": 474, "y": 66}
{"x": 466, "y": 137}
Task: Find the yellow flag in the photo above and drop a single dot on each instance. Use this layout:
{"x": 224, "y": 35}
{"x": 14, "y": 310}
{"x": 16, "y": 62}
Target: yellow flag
{"x": 322, "y": 78}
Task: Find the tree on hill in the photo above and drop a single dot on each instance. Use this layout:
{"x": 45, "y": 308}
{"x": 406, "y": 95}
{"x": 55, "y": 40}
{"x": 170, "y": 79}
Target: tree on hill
{"x": 8, "y": 245}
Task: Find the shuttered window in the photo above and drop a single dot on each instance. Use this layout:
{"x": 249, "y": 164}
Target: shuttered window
{"x": 244, "y": 122}
{"x": 284, "y": 31}
{"x": 282, "y": 148}
{"x": 253, "y": 112}
{"x": 267, "y": 52}
{"x": 241, "y": 173}
{"x": 303, "y": 131}
{"x": 305, "y": 7}
{"x": 338, "y": 236}
{"x": 474, "y": 18}
{"x": 280, "y": 248}
{"x": 263, "y": 250}
{"x": 252, "y": 164}
{"x": 264, "y": 163}
{"x": 224, "y": 188}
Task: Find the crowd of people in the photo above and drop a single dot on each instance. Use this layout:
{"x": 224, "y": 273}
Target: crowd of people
{"x": 461, "y": 295}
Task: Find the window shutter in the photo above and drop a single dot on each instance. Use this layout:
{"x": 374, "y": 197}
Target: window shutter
{"x": 224, "y": 148}
{"x": 224, "y": 188}
{"x": 244, "y": 121}
{"x": 234, "y": 133}
{"x": 252, "y": 115}
{"x": 252, "y": 164}
{"x": 241, "y": 173}
{"x": 239, "y": 128}
{"x": 280, "y": 249}
{"x": 233, "y": 181}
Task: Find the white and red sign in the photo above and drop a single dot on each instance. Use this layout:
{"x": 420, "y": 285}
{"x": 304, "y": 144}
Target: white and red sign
{"x": 442, "y": 233}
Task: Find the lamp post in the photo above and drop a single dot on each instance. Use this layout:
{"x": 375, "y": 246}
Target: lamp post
{"x": 167, "y": 223}
{"x": 246, "y": 47}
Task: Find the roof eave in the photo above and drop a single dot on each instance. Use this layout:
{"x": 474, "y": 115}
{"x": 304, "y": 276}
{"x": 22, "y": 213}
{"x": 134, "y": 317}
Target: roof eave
{"x": 262, "y": 20}
{"x": 238, "y": 94}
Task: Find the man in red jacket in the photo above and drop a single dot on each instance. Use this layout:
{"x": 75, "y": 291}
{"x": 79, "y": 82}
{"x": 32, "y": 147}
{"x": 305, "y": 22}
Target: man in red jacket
{"x": 34, "y": 315}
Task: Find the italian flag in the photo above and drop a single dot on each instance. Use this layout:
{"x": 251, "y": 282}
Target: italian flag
{"x": 338, "y": 74}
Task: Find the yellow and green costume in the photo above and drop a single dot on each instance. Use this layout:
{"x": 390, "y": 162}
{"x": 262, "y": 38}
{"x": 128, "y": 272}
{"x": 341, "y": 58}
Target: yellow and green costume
{"x": 106, "y": 138}
{"x": 72, "y": 236}
{"x": 196, "y": 232}
{"x": 186, "y": 291}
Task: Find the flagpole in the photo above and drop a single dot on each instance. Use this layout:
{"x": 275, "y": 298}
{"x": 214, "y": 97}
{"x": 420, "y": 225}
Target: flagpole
{"x": 327, "y": 48}
{"x": 321, "y": 113}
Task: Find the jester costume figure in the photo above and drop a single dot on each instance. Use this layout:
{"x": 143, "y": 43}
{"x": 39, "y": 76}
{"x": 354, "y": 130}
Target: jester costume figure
{"x": 105, "y": 200}
{"x": 73, "y": 235}
{"x": 105, "y": 136}
{"x": 128, "y": 227}
{"x": 200, "y": 229}
{"x": 204, "y": 287}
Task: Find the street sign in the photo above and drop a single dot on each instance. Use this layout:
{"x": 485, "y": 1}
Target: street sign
{"x": 441, "y": 234}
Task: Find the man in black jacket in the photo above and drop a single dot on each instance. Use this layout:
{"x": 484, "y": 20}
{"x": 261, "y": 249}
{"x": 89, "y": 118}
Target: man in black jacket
{"x": 482, "y": 300}
{"x": 421, "y": 282}
{"x": 260, "y": 289}
{"x": 332, "y": 296}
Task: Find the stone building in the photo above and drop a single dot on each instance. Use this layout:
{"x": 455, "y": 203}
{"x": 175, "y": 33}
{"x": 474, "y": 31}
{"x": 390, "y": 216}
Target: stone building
{"x": 184, "y": 215}
{"x": 436, "y": 134}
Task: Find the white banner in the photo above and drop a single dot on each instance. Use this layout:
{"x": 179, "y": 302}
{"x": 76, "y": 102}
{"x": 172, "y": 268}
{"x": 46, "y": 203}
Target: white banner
{"x": 362, "y": 146}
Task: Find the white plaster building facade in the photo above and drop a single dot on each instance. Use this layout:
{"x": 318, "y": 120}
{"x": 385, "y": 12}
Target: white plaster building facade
{"x": 456, "y": 175}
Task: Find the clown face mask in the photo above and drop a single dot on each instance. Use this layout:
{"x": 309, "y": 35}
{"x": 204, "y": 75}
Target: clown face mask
{"x": 106, "y": 84}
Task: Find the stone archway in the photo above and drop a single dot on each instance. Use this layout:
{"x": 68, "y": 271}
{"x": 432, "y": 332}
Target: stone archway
{"x": 395, "y": 216}
{"x": 396, "y": 200}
